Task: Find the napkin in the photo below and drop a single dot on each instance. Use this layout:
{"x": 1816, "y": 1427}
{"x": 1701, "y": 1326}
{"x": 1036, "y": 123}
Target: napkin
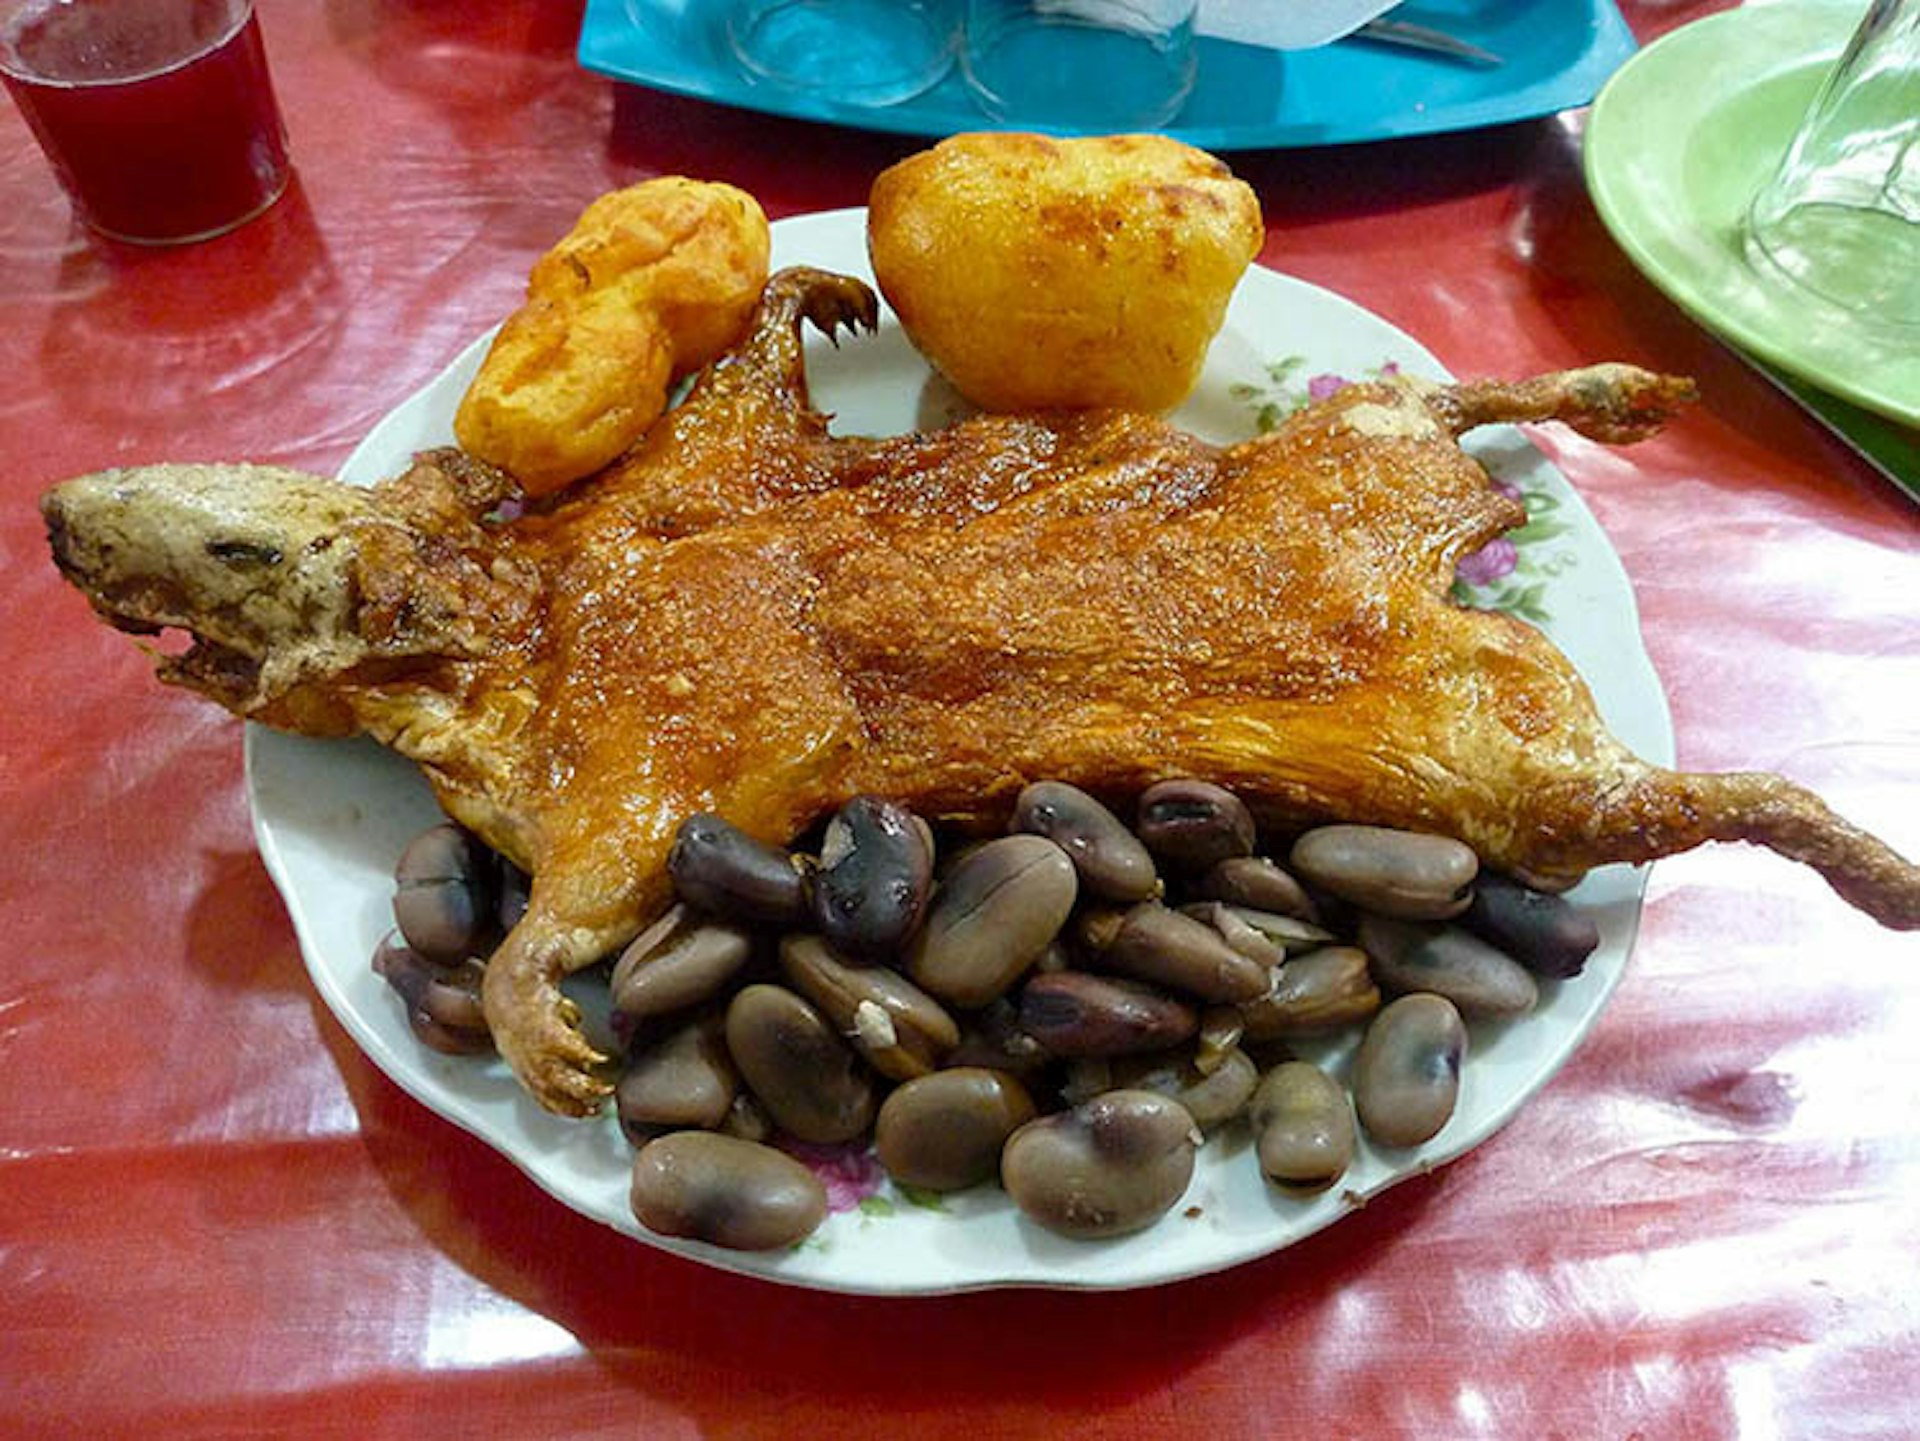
{"x": 1286, "y": 24}
{"x": 1270, "y": 24}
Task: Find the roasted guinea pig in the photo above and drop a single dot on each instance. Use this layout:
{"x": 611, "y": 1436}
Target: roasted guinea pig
{"x": 748, "y": 616}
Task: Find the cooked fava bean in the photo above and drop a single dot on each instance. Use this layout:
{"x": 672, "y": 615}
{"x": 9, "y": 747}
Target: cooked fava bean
{"x": 746, "y": 1119}
{"x": 876, "y": 869}
{"x": 1152, "y": 943}
{"x": 901, "y": 1030}
{"x": 443, "y": 899}
{"x": 515, "y": 888}
{"x": 996, "y": 912}
{"x": 1233, "y": 927}
{"x": 1289, "y": 933}
{"x": 1406, "y": 1075}
{"x": 945, "y": 1132}
{"x": 1211, "y": 1098}
{"x": 1069, "y": 976}
{"x": 1108, "y": 1167}
{"x": 1265, "y": 1055}
{"x": 442, "y": 1002}
{"x": 927, "y": 837}
{"x": 1221, "y": 1028}
{"x": 720, "y": 868}
{"x": 1553, "y": 885}
{"x": 452, "y": 998}
{"x": 1075, "y": 1014}
{"x": 1054, "y": 956}
{"x": 1425, "y": 956}
{"x": 991, "y": 1038}
{"x": 1108, "y": 858}
{"x": 1302, "y": 1126}
{"x": 808, "y": 1079}
{"x": 683, "y": 959}
{"x": 1316, "y": 992}
{"x": 585, "y": 1000}
{"x": 1393, "y": 873}
{"x": 1087, "y": 1077}
{"x": 1260, "y": 884}
{"x": 1544, "y": 933}
{"x": 1215, "y": 1097}
{"x": 1193, "y": 825}
{"x": 686, "y": 1079}
{"x": 725, "y": 1191}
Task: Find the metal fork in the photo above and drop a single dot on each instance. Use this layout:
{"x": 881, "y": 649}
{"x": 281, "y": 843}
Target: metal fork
{"x": 1424, "y": 37}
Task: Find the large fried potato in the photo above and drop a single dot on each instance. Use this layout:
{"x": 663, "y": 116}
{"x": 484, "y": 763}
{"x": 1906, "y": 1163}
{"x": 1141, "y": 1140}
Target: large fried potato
{"x": 1038, "y": 273}
{"x": 652, "y": 283}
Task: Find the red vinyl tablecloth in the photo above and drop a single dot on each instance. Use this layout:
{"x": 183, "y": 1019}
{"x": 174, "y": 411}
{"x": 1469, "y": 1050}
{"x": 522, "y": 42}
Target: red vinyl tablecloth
{"x": 218, "y": 1218}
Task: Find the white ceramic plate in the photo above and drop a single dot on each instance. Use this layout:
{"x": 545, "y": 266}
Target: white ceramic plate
{"x": 331, "y": 817}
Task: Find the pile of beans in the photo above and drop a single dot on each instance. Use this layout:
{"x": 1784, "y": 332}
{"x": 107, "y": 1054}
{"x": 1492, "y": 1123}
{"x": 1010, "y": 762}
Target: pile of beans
{"x": 1068, "y": 1008}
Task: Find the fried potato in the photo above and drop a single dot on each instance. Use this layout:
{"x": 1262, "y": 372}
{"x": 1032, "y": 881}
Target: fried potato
{"x": 1038, "y": 273}
{"x": 652, "y": 283}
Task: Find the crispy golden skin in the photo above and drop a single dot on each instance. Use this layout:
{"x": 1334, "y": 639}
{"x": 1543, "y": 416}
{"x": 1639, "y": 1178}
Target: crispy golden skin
{"x": 652, "y": 283}
{"x": 751, "y": 617}
{"x": 1040, "y": 273}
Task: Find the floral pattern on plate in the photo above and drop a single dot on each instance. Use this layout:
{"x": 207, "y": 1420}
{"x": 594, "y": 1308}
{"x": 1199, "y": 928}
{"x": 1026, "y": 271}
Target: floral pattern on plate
{"x": 1509, "y": 573}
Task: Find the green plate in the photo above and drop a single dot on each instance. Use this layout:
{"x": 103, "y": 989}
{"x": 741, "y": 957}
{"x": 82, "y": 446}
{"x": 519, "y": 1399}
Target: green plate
{"x": 1680, "y": 139}
{"x": 1893, "y": 450}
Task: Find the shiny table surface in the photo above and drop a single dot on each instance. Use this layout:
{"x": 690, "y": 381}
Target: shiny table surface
{"x": 219, "y": 1218}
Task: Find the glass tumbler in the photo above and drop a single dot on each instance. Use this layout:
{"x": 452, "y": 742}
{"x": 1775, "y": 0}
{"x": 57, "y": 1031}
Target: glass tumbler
{"x": 1841, "y": 215}
{"x": 1088, "y": 66}
{"x": 862, "y": 52}
{"x": 157, "y": 115}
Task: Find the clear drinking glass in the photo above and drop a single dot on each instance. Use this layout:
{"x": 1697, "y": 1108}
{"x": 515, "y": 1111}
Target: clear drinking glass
{"x": 1082, "y": 65}
{"x": 1841, "y": 215}
{"x": 864, "y": 52}
{"x": 157, "y": 115}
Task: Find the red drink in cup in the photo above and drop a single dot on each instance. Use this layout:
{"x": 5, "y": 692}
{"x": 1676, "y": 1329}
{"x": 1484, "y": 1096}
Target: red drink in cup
{"x": 158, "y": 115}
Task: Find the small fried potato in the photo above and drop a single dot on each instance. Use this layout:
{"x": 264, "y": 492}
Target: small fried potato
{"x": 652, "y": 283}
{"x": 1040, "y": 273}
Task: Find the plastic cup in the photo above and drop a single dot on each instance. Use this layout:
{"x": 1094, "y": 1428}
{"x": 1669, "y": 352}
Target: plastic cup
{"x": 1841, "y": 215}
{"x": 861, "y": 52}
{"x": 157, "y": 115}
{"x": 1088, "y": 66}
